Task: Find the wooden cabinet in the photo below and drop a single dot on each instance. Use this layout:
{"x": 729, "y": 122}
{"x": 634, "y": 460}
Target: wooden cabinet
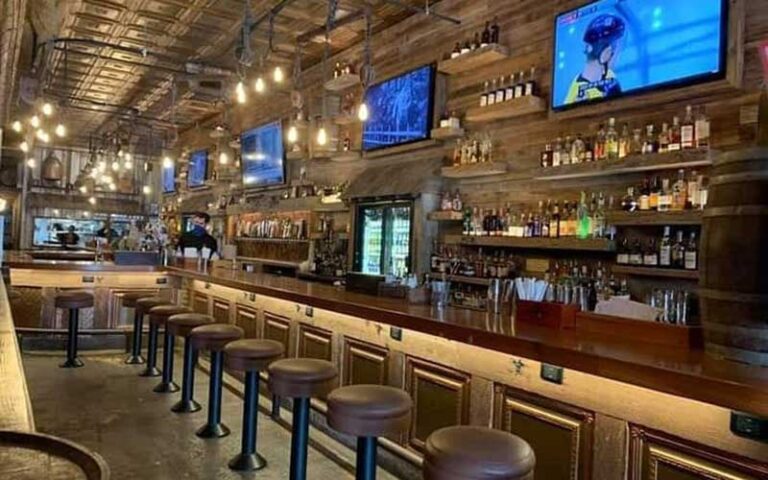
{"x": 278, "y": 328}
{"x": 364, "y": 363}
{"x": 200, "y": 303}
{"x": 315, "y": 343}
{"x": 440, "y": 398}
{"x": 221, "y": 310}
{"x": 561, "y": 435}
{"x": 247, "y": 319}
{"x": 655, "y": 455}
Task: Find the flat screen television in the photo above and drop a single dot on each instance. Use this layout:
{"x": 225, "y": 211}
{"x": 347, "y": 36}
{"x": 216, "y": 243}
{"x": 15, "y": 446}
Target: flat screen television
{"x": 400, "y": 109}
{"x": 198, "y": 168}
{"x": 263, "y": 156}
{"x": 612, "y": 48}
{"x": 169, "y": 178}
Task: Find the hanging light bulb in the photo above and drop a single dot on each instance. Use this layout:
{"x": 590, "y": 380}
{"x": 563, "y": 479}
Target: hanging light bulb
{"x": 95, "y": 173}
{"x": 167, "y": 162}
{"x": 128, "y": 161}
{"x": 147, "y": 189}
{"x": 106, "y": 179}
{"x": 24, "y": 146}
{"x": 293, "y": 134}
{"x": 47, "y": 109}
{"x": 240, "y": 92}
{"x": 61, "y": 130}
{"x": 34, "y": 121}
{"x": 278, "y": 74}
{"x": 31, "y": 162}
{"x": 362, "y": 112}
{"x": 16, "y": 126}
{"x": 322, "y": 136}
{"x": 120, "y": 153}
{"x": 115, "y": 166}
{"x": 40, "y": 134}
{"x": 3, "y": 204}
{"x": 92, "y": 200}
{"x": 83, "y": 189}
{"x": 223, "y": 158}
{"x": 102, "y": 166}
{"x": 112, "y": 187}
{"x": 260, "y": 86}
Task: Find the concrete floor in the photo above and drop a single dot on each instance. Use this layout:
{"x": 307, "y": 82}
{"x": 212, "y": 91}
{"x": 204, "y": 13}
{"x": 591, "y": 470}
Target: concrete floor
{"x": 106, "y": 407}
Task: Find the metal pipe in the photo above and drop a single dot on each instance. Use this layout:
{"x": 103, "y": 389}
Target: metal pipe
{"x": 214, "y": 428}
{"x": 151, "y": 370}
{"x": 299, "y": 439}
{"x": 187, "y": 404}
{"x": 166, "y": 385}
{"x": 135, "y": 358}
{"x": 248, "y": 459}
{"x": 366, "y": 458}
{"x": 72, "y": 360}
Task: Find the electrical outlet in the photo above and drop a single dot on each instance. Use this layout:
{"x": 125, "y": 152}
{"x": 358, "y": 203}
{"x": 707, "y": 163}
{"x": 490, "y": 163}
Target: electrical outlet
{"x": 552, "y": 373}
{"x": 161, "y": 281}
{"x": 749, "y": 426}
{"x": 309, "y": 311}
{"x": 88, "y": 279}
{"x": 396, "y": 333}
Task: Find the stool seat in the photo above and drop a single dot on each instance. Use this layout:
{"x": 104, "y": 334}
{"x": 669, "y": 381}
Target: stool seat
{"x": 73, "y": 300}
{"x": 159, "y": 315}
{"x": 147, "y": 303}
{"x": 182, "y": 324}
{"x": 369, "y": 410}
{"x": 130, "y": 298}
{"x": 301, "y": 377}
{"x": 252, "y": 354}
{"x": 215, "y": 337}
{"x": 467, "y": 453}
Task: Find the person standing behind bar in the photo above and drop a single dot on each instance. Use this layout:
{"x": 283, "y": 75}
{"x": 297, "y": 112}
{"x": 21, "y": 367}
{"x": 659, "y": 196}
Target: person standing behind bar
{"x": 198, "y": 237}
{"x": 69, "y": 237}
{"x": 107, "y": 232}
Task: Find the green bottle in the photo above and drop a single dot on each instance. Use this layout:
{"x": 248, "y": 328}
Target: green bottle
{"x": 583, "y": 222}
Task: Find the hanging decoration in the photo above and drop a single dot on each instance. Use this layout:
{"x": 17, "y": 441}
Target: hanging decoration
{"x": 367, "y": 74}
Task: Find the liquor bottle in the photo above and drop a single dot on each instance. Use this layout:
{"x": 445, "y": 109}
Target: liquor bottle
{"x": 476, "y": 42}
{"x": 467, "y": 222}
{"x": 457, "y": 205}
{"x": 650, "y": 144}
{"x": 702, "y": 128}
{"x": 466, "y": 48}
{"x": 599, "y": 223}
{"x": 520, "y": 86}
{"x": 546, "y": 219}
{"x": 688, "y": 130}
{"x": 665, "y": 196}
{"x": 664, "y": 138}
{"x": 629, "y": 203}
{"x": 546, "y": 156}
{"x": 589, "y": 152}
{"x": 337, "y": 69}
{"x": 530, "y": 85}
{"x": 694, "y": 191}
{"x": 678, "y": 252}
{"x": 492, "y": 94}
{"x": 500, "y": 93}
{"x": 645, "y": 196}
{"x": 625, "y": 140}
{"x": 565, "y": 156}
{"x": 455, "y": 53}
{"x": 679, "y": 192}
{"x": 636, "y": 144}
{"x": 600, "y": 144}
{"x": 622, "y": 252}
{"x": 665, "y": 249}
{"x": 557, "y": 153}
{"x": 653, "y": 200}
{"x": 509, "y": 91}
{"x": 612, "y": 141}
{"x": 675, "y": 136}
{"x": 486, "y": 37}
{"x": 495, "y": 31}
{"x": 636, "y": 253}
{"x": 651, "y": 257}
{"x": 347, "y": 143}
{"x": 484, "y": 96}
{"x": 554, "y": 222}
{"x": 578, "y": 148}
{"x": 692, "y": 253}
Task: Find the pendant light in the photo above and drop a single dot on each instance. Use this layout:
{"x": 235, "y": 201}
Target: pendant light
{"x": 240, "y": 93}
{"x": 16, "y": 126}
{"x": 362, "y": 112}
{"x": 167, "y": 162}
{"x": 47, "y": 109}
{"x": 260, "y": 85}
{"x": 278, "y": 76}
{"x": 34, "y": 121}
{"x": 366, "y": 71}
{"x": 24, "y": 146}
{"x": 293, "y": 134}
{"x": 31, "y": 163}
{"x": 61, "y": 130}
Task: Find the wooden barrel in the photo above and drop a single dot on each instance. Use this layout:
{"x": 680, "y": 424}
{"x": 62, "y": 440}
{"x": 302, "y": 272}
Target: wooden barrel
{"x": 734, "y": 258}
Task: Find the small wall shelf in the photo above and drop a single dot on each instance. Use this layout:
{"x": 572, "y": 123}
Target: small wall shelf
{"x": 475, "y": 170}
{"x": 473, "y": 60}
{"x": 449, "y": 216}
{"x": 517, "y": 107}
{"x": 565, "y": 243}
{"x": 652, "y": 218}
{"x": 447, "y": 133}
{"x": 343, "y": 82}
{"x": 656, "y": 272}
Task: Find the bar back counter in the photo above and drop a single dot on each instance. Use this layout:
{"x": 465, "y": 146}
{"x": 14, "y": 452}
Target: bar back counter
{"x": 591, "y": 405}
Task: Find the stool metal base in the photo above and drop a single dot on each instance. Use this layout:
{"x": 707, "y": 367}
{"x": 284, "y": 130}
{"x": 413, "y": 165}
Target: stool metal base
{"x": 166, "y": 388}
{"x": 131, "y": 360}
{"x": 366, "y": 458}
{"x": 151, "y": 372}
{"x": 247, "y": 462}
{"x": 72, "y": 363}
{"x": 218, "y": 430}
{"x": 186, "y": 407}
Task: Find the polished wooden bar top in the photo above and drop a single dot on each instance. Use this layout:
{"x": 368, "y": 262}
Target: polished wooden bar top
{"x": 677, "y": 371}
{"x": 67, "y": 261}
{"x": 15, "y": 407}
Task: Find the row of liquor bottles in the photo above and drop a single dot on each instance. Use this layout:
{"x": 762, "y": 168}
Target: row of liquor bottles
{"x": 475, "y": 149}
{"x": 509, "y": 88}
{"x": 675, "y": 252}
{"x": 489, "y": 36}
{"x": 611, "y": 144}
{"x": 273, "y": 227}
{"x": 688, "y": 191}
{"x": 342, "y": 68}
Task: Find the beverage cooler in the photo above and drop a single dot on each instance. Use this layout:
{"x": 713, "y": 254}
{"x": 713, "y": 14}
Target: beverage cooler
{"x": 383, "y": 238}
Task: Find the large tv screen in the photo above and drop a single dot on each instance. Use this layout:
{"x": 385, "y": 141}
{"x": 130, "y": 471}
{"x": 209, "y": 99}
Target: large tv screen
{"x": 611, "y": 48}
{"x": 400, "y": 109}
{"x": 198, "y": 168}
{"x": 169, "y": 178}
{"x": 263, "y": 155}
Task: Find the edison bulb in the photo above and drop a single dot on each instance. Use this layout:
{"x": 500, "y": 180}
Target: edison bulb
{"x": 16, "y": 126}
{"x": 362, "y": 112}
{"x": 278, "y": 74}
{"x": 223, "y": 158}
{"x": 147, "y": 189}
{"x": 61, "y": 130}
{"x": 31, "y": 162}
{"x": 115, "y": 166}
{"x": 128, "y": 164}
{"x": 112, "y": 187}
{"x": 102, "y": 166}
{"x": 259, "y": 85}
{"x": 24, "y": 146}
{"x": 92, "y": 200}
{"x": 83, "y": 189}
{"x": 322, "y": 136}
{"x": 120, "y": 153}
{"x": 40, "y": 134}
{"x": 34, "y": 121}
{"x": 240, "y": 92}
{"x": 47, "y": 109}
{"x": 167, "y": 162}
{"x": 293, "y": 134}
{"x": 94, "y": 173}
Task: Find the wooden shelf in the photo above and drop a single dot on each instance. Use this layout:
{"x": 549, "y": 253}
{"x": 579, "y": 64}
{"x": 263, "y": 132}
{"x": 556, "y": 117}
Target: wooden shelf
{"x": 656, "y": 272}
{"x": 473, "y": 60}
{"x": 447, "y": 133}
{"x": 399, "y": 149}
{"x": 449, "y": 216}
{"x": 569, "y": 243}
{"x": 299, "y": 155}
{"x": 345, "y": 157}
{"x": 651, "y": 218}
{"x": 483, "y": 282}
{"x": 271, "y": 240}
{"x": 475, "y": 170}
{"x": 345, "y": 119}
{"x": 516, "y": 107}
{"x": 630, "y": 164}
{"x": 343, "y": 82}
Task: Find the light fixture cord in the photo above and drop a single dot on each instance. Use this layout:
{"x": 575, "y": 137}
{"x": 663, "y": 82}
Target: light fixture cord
{"x": 331, "y": 18}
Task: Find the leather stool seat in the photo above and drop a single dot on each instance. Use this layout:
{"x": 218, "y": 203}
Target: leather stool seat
{"x": 73, "y": 300}
{"x": 369, "y": 410}
{"x": 214, "y": 337}
{"x": 144, "y": 304}
{"x": 182, "y": 324}
{"x": 252, "y": 354}
{"x": 130, "y": 298}
{"x": 469, "y": 453}
{"x": 301, "y": 377}
{"x": 160, "y": 314}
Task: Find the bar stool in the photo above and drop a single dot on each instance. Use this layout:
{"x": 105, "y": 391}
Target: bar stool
{"x": 477, "y": 453}
{"x": 181, "y": 325}
{"x": 250, "y": 356}
{"x": 214, "y": 338}
{"x": 129, "y": 301}
{"x": 159, "y": 316}
{"x": 301, "y": 379}
{"x": 369, "y": 412}
{"x": 143, "y": 306}
{"x": 73, "y": 301}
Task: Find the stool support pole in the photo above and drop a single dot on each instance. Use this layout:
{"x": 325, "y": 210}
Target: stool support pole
{"x": 135, "y": 358}
{"x": 248, "y": 459}
{"x": 214, "y": 428}
{"x": 299, "y": 439}
{"x": 72, "y": 360}
{"x": 151, "y": 370}
{"x": 166, "y": 384}
{"x": 187, "y": 404}
{"x": 275, "y": 414}
{"x": 366, "y": 458}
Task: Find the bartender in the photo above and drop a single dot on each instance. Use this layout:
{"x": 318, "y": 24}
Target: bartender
{"x": 107, "y": 232}
{"x": 69, "y": 237}
{"x": 198, "y": 236}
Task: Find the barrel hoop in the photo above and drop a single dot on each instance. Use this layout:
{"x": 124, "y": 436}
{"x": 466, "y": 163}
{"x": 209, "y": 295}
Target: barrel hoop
{"x": 743, "y": 356}
{"x": 736, "y": 211}
{"x": 758, "y": 332}
{"x": 732, "y": 296}
{"x": 748, "y": 176}
{"x": 739, "y": 156}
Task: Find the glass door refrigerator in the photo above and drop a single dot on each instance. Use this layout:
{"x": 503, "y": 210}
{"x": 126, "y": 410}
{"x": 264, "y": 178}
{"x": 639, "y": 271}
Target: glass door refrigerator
{"x": 383, "y": 238}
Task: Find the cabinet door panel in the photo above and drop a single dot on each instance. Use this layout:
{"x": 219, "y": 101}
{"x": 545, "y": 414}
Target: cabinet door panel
{"x": 364, "y": 364}
{"x": 221, "y": 310}
{"x": 315, "y": 343}
{"x": 247, "y": 319}
{"x": 279, "y": 329}
{"x": 200, "y": 303}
